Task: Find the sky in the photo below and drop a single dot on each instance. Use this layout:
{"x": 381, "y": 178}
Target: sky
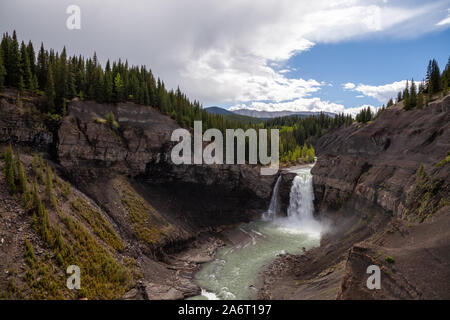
{"x": 335, "y": 56}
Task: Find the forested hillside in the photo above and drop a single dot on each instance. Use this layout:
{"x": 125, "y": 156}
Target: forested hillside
{"x": 59, "y": 78}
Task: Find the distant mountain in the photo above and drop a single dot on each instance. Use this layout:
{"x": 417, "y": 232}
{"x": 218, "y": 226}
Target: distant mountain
{"x": 255, "y": 116}
{"x": 276, "y": 114}
{"x": 218, "y": 110}
{"x": 232, "y": 116}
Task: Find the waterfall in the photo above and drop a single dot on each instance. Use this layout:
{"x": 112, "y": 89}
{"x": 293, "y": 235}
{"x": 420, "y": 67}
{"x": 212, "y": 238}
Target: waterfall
{"x": 301, "y": 206}
{"x": 300, "y": 213}
{"x": 273, "y": 207}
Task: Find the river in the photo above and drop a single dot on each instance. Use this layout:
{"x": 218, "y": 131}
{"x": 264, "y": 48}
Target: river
{"x": 235, "y": 270}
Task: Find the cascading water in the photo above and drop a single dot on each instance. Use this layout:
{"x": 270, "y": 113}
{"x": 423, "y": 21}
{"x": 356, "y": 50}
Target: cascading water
{"x": 300, "y": 218}
{"x": 233, "y": 273}
{"x": 273, "y": 206}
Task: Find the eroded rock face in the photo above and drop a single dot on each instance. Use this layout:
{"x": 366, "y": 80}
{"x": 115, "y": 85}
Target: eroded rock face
{"x": 203, "y": 195}
{"x": 378, "y": 162}
{"x": 87, "y": 144}
{"x": 19, "y": 125}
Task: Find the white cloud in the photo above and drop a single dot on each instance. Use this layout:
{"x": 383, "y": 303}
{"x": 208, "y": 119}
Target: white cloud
{"x": 217, "y": 51}
{"x": 444, "y": 21}
{"x": 382, "y": 92}
{"x": 301, "y": 104}
{"x": 349, "y": 86}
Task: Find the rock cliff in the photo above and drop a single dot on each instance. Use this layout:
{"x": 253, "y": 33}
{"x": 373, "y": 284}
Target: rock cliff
{"x": 21, "y": 123}
{"x": 112, "y": 178}
{"x": 382, "y": 190}
{"x": 377, "y": 163}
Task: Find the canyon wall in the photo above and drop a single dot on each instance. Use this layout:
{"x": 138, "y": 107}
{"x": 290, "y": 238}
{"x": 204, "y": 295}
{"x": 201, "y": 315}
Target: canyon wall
{"x": 382, "y": 193}
{"x": 377, "y": 163}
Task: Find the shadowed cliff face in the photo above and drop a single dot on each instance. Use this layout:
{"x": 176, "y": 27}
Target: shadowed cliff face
{"x": 118, "y": 178}
{"x": 21, "y": 123}
{"x": 87, "y": 144}
{"x": 378, "y": 162}
{"x": 204, "y": 195}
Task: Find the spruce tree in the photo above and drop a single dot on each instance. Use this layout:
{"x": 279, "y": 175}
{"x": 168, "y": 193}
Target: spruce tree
{"x": 42, "y": 68}
{"x": 14, "y": 70}
{"x": 118, "y": 88}
{"x": 108, "y": 87}
{"x": 50, "y": 90}
{"x": 26, "y": 68}
{"x": 61, "y": 80}
{"x": 31, "y": 57}
{"x": 9, "y": 170}
{"x": 23, "y": 183}
{"x": 2, "y": 72}
{"x": 420, "y": 100}
{"x": 399, "y": 96}
{"x": 406, "y": 97}
{"x": 412, "y": 95}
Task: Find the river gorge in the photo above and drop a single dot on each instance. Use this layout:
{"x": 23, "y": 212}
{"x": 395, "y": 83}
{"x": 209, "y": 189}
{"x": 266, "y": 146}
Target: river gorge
{"x": 233, "y": 273}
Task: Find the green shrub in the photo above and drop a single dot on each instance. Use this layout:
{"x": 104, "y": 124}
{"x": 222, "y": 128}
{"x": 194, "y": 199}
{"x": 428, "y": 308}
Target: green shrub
{"x": 9, "y": 170}
{"x": 111, "y": 121}
{"x": 389, "y": 259}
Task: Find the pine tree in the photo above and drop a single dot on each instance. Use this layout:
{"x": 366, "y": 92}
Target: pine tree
{"x": 42, "y": 68}
{"x": 9, "y": 170}
{"x": 31, "y": 57}
{"x": 61, "y": 80}
{"x": 108, "y": 87}
{"x": 50, "y": 90}
{"x": 49, "y": 186}
{"x": 118, "y": 88}
{"x": 446, "y": 78}
{"x": 433, "y": 80}
{"x": 23, "y": 183}
{"x": 399, "y": 97}
{"x": 406, "y": 97}
{"x": 26, "y": 68}
{"x": 14, "y": 70}
{"x": 420, "y": 100}
{"x": 2, "y": 72}
{"x": 435, "y": 77}
{"x": 413, "y": 95}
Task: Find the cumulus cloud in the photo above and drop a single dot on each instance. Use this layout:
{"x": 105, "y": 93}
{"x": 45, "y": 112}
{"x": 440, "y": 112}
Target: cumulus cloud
{"x": 349, "y": 86}
{"x": 302, "y": 104}
{"x": 216, "y": 51}
{"x": 382, "y": 92}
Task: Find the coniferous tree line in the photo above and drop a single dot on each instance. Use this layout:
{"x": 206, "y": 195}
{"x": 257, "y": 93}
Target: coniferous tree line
{"x": 298, "y": 134}
{"x": 60, "y": 78}
{"x": 365, "y": 115}
{"x": 418, "y": 96}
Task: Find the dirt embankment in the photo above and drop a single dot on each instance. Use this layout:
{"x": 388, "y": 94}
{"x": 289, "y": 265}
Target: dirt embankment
{"x": 383, "y": 189}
